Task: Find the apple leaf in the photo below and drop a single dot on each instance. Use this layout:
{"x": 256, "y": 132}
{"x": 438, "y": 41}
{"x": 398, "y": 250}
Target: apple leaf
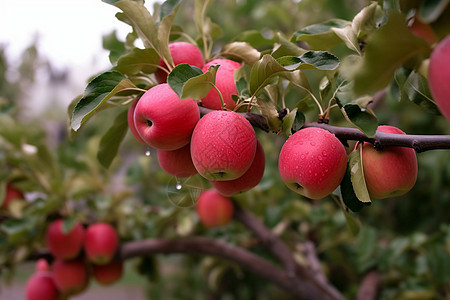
{"x": 168, "y": 11}
{"x": 114, "y": 45}
{"x": 293, "y": 122}
{"x": 317, "y": 60}
{"x": 387, "y": 49}
{"x": 242, "y": 51}
{"x": 256, "y": 38}
{"x": 362, "y": 118}
{"x": 348, "y": 36}
{"x": 417, "y": 89}
{"x": 269, "y": 111}
{"x": 320, "y": 36}
{"x": 68, "y": 224}
{"x": 430, "y": 11}
{"x": 111, "y": 140}
{"x": 353, "y": 187}
{"x": 97, "y": 92}
{"x": 366, "y": 20}
{"x": 138, "y": 60}
{"x": 286, "y": 48}
{"x": 190, "y": 82}
{"x": 261, "y": 72}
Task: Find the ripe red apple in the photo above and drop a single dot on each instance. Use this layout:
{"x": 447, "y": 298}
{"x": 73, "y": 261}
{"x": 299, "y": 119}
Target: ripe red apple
{"x": 223, "y": 145}
{"x": 42, "y": 265}
{"x": 177, "y": 162}
{"x": 101, "y": 243}
{"x": 131, "y": 124}
{"x": 214, "y": 209}
{"x": 182, "y": 53}
{"x": 439, "y": 76}
{"x": 109, "y": 273}
{"x": 224, "y": 83}
{"x": 422, "y": 29}
{"x": 163, "y": 120}
{"x": 11, "y": 194}
{"x": 41, "y": 286}
{"x": 312, "y": 162}
{"x": 70, "y": 276}
{"x": 391, "y": 171}
{"x": 64, "y": 245}
{"x": 250, "y": 179}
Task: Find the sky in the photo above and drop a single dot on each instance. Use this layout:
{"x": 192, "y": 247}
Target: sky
{"x": 69, "y": 31}
{"x": 69, "y": 35}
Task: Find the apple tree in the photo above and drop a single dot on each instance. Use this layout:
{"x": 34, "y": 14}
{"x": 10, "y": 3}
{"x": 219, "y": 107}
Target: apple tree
{"x": 313, "y": 157}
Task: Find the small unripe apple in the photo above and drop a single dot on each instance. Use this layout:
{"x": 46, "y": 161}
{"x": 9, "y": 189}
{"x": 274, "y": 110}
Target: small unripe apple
{"x": 223, "y": 145}
{"x": 109, "y": 273}
{"x": 11, "y": 194}
{"x": 70, "y": 276}
{"x": 177, "y": 162}
{"x": 312, "y": 162}
{"x": 439, "y": 76}
{"x": 214, "y": 209}
{"x": 391, "y": 171}
{"x": 64, "y": 245}
{"x": 250, "y": 179}
{"x": 41, "y": 286}
{"x": 131, "y": 123}
{"x": 101, "y": 243}
{"x": 182, "y": 53}
{"x": 163, "y": 120}
{"x": 224, "y": 83}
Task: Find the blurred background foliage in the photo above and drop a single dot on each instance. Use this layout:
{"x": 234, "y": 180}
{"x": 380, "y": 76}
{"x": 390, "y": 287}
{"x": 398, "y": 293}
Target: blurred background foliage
{"x": 405, "y": 239}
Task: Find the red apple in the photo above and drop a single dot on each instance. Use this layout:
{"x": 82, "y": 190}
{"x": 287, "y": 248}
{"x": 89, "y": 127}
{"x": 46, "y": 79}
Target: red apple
{"x": 177, "y": 162}
{"x": 389, "y": 172}
{"x": 312, "y": 162}
{"x": 109, "y": 273}
{"x": 182, "y": 53}
{"x": 223, "y": 145}
{"x": 42, "y": 265}
{"x": 224, "y": 83}
{"x": 163, "y": 120}
{"x": 64, "y": 245}
{"x": 214, "y": 209}
{"x": 101, "y": 243}
{"x": 70, "y": 276}
{"x": 439, "y": 76}
{"x": 11, "y": 194}
{"x": 131, "y": 124}
{"x": 41, "y": 286}
{"x": 250, "y": 179}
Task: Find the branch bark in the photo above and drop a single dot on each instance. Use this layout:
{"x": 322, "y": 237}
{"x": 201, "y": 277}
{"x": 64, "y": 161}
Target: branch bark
{"x": 419, "y": 143}
{"x": 281, "y": 252}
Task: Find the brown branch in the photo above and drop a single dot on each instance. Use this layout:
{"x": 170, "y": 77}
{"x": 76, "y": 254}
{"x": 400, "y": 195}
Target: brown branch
{"x": 419, "y": 143}
{"x": 369, "y": 286}
{"x": 281, "y": 252}
{"x": 248, "y": 260}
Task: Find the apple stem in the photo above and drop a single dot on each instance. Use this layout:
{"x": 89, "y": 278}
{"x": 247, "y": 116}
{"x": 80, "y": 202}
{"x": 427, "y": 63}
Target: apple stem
{"x": 222, "y": 103}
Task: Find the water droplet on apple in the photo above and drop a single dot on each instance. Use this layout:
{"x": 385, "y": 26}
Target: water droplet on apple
{"x": 313, "y": 144}
{"x": 324, "y": 153}
{"x": 319, "y": 157}
{"x": 302, "y": 156}
{"x": 147, "y": 151}
{"x": 326, "y": 170}
{"x": 178, "y": 186}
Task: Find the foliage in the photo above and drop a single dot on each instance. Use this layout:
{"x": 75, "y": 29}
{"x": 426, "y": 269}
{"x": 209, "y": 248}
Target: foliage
{"x": 335, "y": 67}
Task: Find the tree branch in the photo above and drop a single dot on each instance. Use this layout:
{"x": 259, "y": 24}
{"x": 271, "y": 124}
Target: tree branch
{"x": 248, "y": 260}
{"x": 281, "y": 252}
{"x": 419, "y": 143}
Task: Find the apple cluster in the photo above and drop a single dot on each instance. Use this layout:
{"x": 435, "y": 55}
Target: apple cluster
{"x": 221, "y": 146}
{"x": 78, "y": 254}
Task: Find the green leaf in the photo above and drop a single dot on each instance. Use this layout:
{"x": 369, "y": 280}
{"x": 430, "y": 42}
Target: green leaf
{"x": 317, "y": 60}
{"x": 138, "y": 60}
{"x": 169, "y": 10}
{"x": 348, "y": 194}
{"x": 116, "y": 48}
{"x": 320, "y": 36}
{"x": 261, "y": 72}
{"x": 141, "y": 20}
{"x": 430, "y": 11}
{"x": 110, "y": 142}
{"x": 241, "y": 51}
{"x": 68, "y": 224}
{"x": 169, "y": 7}
{"x": 348, "y": 36}
{"x": 269, "y": 111}
{"x": 355, "y": 166}
{"x": 256, "y": 38}
{"x": 293, "y": 122}
{"x": 190, "y": 82}
{"x": 366, "y": 20}
{"x": 391, "y": 46}
{"x": 417, "y": 90}
{"x": 362, "y": 118}
{"x": 286, "y": 48}
{"x": 97, "y": 92}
